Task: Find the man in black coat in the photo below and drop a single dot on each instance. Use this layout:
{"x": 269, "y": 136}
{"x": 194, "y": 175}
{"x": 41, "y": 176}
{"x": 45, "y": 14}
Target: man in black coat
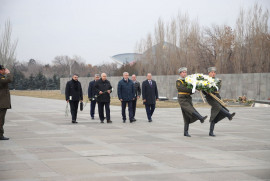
{"x": 137, "y": 94}
{"x": 149, "y": 96}
{"x": 104, "y": 89}
{"x": 74, "y": 95}
{"x": 126, "y": 94}
{"x": 92, "y": 96}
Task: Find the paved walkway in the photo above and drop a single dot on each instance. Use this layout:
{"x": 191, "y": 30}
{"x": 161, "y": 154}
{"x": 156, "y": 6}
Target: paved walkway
{"x": 45, "y": 146}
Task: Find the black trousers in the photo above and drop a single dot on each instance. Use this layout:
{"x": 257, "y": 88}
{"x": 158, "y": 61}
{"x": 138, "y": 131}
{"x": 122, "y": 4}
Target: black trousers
{"x": 3, "y": 112}
{"x": 101, "y": 110}
{"x": 92, "y": 108}
{"x": 150, "y": 108}
{"x": 130, "y": 110}
{"x": 74, "y": 109}
{"x": 134, "y": 104}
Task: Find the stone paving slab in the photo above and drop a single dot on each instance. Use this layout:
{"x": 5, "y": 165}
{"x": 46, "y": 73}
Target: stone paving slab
{"x": 45, "y": 146}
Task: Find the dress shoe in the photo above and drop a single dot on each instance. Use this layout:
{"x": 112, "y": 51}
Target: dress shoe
{"x": 124, "y": 121}
{"x": 93, "y": 118}
{"x": 74, "y": 121}
{"x": 186, "y": 134}
{"x": 101, "y": 121}
{"x": 109, "y": 121}
{"x": 150, "y": 120}
{"x": 132, "y": 120}
{"x": 4, "y": 138}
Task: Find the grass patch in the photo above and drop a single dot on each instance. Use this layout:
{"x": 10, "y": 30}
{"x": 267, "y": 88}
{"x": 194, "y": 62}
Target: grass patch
{"x": 56, "y": 94}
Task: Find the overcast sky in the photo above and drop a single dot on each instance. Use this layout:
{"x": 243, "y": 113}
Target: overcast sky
{"x": 99, "y": 29}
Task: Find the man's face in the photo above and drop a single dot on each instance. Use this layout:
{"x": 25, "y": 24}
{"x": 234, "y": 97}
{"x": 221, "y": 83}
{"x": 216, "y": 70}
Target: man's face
{"x": 133, "y": 77}
{"x": 104, "y": 77}
{"x": 75, "y": 77}
{"x": 183, "y": 74}
{"x": 126, "y": 75}
{"x": 149, "y": 76}
{"x": 212, "y": 74}
{"x": 97, "y": 78}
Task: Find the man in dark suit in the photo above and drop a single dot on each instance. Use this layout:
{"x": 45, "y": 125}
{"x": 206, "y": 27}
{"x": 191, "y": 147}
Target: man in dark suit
{"x": 149, "y": 96}
{"x": 104, "y": 89}
{"x": 92, "y": 96}
{"x": 137, "y": 93}
{"x": 126, "y": 94}
{"x": 5, "y": 103}
{"x": 74, "y": 95}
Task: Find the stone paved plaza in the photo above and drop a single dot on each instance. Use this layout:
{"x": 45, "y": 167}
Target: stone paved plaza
{"x": 45, "y": 146}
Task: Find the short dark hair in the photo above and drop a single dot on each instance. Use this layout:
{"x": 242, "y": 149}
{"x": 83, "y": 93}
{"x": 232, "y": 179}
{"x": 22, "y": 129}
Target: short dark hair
{"x": 2, "y": 67}
{"x": 76, "y": 75}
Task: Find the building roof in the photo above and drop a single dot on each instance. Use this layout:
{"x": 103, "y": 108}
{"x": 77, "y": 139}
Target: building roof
{"x": 125, "y": 58}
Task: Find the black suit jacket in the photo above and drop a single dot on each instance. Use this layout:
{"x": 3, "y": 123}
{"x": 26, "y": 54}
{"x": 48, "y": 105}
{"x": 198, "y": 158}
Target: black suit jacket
{"x": 103, "y": 86}
{"x": 150, "y": 93}
{"x": 76, "y": 95}
{"x": 137, "y": 89}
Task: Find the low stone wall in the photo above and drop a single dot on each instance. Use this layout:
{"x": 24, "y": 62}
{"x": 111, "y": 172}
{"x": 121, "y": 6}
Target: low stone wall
{"x": 254, "y": 86}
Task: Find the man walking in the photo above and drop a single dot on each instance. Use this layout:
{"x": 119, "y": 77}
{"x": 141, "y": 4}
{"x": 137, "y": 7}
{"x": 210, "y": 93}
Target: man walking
{"x": 218, "y": 112}
{"x": 92, "y": 96}
{"x": 137, "y": 94}
{"x": 5, "y": 103}
{"x": 190, "y": 114}
{"x": 74, "y": 95}
{"x": 104, "y": 89}
{"x": 126, "y": 94}
{"x": 149, "y": 96}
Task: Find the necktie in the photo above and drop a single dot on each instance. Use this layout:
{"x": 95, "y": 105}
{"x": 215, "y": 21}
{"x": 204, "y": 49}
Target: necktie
{"x": 150, "y": 82}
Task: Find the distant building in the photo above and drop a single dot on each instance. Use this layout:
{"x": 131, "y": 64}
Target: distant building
{"x": 126, "y": 58}
{"x": 130, "y": 58}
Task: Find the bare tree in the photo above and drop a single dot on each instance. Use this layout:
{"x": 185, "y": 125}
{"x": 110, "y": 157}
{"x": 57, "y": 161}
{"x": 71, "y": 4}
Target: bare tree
{"x": 7, "y": 47}
{"x": 183, "y": 42}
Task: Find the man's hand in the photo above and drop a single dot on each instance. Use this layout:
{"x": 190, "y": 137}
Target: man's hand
{"x": 90, "y": 99}
{"x": 67, "y": 101}
{"x": 7, "y": 71}
{"x": 121, "y": 100}
{"x": 157, "y": 99}
{"x": 134, "y": 99}
{"x": 144, "y": 100}
{"x": 108, "y": 91}
{"x": 138, "y": 97}
{"x": 81, "y": 100}
{"x": 100, "y": 92}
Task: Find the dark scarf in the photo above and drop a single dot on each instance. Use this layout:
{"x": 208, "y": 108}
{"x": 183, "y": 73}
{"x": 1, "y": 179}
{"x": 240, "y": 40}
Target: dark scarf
{"x": 76, "y": 84}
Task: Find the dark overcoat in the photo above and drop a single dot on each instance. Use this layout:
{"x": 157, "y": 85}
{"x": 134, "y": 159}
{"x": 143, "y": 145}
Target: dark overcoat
{"x": 215, "y": 106}
{"x": 185, "y": 101}
{"x": 92, "y": 91}
{"x": 103, "y": 86}
{"x": 5, "y": 102}
{"x": 126, "y": 90}
{"x": 150, "y": 93}
{"x": 74, "y": 91}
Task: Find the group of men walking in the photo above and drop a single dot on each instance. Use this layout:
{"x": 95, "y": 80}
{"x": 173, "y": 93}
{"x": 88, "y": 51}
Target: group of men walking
{"x": 99, "y": 90}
